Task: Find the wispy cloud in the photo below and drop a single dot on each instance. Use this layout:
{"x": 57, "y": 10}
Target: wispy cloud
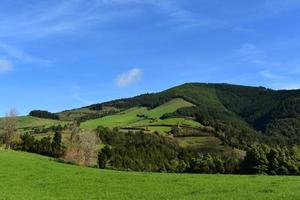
{"x": 287, "y": 86}
{"x": 44, "y": 18}
{"x": 5, "y": 65}
{"x": 280, "y": 80}
{"x": 20, "y": 55}
{"x": 277, "y": 74}
{"x": 250, "y": 53}
{"x": 183, "y": 18}
{"x": 176, "y": 15}
{"x": 129, "y": 78}
{"x": 278, "y": 6}
{"x": 272, "y": 76}
{"x": 47, "y": 18}
{"x": 76, "y": 94}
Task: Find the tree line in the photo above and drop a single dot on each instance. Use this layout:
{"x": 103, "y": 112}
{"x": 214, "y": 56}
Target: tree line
{"x": 44, "y": 114}
{"x": 47, "y": 146}
{"x": 149, "y": 152}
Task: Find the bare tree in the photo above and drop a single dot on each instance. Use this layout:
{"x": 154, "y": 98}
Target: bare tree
{"x": 9, "y": 127}
{"x": 82, "y": 148}
{"x": 88, "y": 145}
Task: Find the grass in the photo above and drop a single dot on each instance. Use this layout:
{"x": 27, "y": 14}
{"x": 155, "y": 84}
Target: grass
{"x": 198, "y": 141}
{"x": 30, "y": 122}
{"x": 208, "y": 144}
{"x": 160, "y": 129}
{"x": 118, "y": 120}
{"x": 168, "y": 107}
{"x": 32, "y": 177}
{"x": 133, "y": 117}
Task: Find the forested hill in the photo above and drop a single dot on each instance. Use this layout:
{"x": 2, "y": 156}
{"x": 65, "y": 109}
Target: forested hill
{"x": 272, "y": 112}
{"x": 240, "y": 109}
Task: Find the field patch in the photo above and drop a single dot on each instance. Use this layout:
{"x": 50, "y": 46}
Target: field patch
{"x": 117, "y": 120}
{"x": 142, "y": 117}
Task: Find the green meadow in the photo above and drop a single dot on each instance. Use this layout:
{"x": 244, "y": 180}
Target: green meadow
{"x": 30, "y": 122}
{"x": 142, "y": 117}
{"x": 33, "y": 177}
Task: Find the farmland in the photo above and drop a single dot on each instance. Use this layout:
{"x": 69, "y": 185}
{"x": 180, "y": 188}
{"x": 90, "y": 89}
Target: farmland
{"x": 142, "y": 117}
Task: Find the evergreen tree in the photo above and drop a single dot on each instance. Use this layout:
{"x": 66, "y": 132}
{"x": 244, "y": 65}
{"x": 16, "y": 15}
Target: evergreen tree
{"x": 57, "y": 145}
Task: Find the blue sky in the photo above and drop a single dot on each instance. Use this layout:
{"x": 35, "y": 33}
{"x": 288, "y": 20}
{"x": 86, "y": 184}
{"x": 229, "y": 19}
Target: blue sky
{"x": 62, "y": 54}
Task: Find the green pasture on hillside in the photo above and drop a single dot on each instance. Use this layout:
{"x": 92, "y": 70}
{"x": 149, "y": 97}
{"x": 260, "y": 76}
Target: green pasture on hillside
{"x": 142, "y": 117}
{"x": 28, "y": 121}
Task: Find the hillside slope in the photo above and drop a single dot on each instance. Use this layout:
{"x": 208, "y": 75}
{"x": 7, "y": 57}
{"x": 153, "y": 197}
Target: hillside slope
{"x": 29, "y": 176}
{"x": 237, "y": 113}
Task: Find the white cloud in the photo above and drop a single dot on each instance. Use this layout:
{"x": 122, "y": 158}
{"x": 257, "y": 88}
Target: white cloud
{"x": 5, "y": 65}
{"x": 129, "y": 78}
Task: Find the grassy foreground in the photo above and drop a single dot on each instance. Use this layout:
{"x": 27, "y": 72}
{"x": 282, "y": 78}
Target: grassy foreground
{"x": 28, "y": 176}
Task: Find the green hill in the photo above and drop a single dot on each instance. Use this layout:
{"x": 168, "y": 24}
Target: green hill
{"x": 29, "y": 176}
{"x": 239, "y": 114}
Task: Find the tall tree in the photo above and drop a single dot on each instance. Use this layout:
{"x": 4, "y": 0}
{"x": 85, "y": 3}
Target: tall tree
{"x": 9, "y": 127}
{"x": 56, "y": 145}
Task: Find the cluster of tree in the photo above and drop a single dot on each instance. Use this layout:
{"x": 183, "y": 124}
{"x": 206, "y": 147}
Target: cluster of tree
{"x": 46, "y": 129}
{"x": 46, "y": 146}
{"x": 148, "y": 152}
{"x": 82, "y": 115}
{"x": 137, "y": 151}
{"x": 151, "y": 152}
{"x": 44, "y": 114}
{"x": 195, "y": 112}
{"x": 146, "y": 100}
{"x": 272, "y": 160}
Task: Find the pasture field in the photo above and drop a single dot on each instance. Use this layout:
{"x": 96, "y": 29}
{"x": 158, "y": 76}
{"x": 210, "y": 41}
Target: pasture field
{"x": 142, "y": 117}
{"x": 25, "y": 176}
{"x": 28, "y": 121}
